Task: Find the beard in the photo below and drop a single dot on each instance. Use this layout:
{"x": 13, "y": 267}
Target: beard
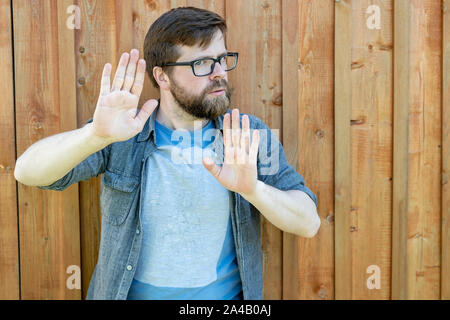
{"x": 203, "y": 105}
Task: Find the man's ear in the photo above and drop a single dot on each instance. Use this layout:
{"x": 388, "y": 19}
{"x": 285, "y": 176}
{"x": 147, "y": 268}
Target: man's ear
{"x": 161, "y": 78}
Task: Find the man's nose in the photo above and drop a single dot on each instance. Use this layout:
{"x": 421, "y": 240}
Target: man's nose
{"x": 218, "y": 71}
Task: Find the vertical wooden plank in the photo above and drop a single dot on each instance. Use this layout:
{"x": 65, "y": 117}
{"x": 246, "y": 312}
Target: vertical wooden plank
{"x": 417, "y": 138}
{"x": 49, "y": 221}
{"x": 95, "y": 45}
{"x": 343, "y": 165}
{"x": 400, "y": 156}
{"x": 258, "y": 91}
{"x": 424, "y": 153}
{"x": 445, "y": 272}
{"x": 308, "y": 68}
{"x": 9, "y": 240}
{"x": 371, "y": 150}
{"x": 70, "y": 254}
{"x": 290, "y": 83}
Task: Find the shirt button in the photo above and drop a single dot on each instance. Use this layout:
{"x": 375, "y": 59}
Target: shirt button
{"x": 137, "y": 231}
{"x": 129, "y": 267}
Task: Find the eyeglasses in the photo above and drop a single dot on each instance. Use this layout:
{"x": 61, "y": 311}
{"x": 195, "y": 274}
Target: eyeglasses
{"x": 205, "y": 66}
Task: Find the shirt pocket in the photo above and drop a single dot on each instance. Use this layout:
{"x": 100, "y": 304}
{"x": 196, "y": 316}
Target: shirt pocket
{"x": 118, "y": 195}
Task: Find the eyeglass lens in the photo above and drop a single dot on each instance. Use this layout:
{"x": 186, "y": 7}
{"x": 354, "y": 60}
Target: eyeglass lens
{"x": 203, "y": 66}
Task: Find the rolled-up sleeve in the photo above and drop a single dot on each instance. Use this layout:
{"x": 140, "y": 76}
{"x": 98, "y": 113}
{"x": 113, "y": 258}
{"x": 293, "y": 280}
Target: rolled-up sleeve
{"x": 92, "y": 166}
{"x": 273, "y": 167}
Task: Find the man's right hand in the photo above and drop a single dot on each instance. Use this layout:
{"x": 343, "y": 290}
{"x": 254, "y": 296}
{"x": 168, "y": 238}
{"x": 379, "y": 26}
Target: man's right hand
{"x": 115, "y": 116}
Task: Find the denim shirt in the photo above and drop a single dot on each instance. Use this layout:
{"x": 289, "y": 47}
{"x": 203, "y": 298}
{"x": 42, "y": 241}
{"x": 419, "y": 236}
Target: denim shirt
{"x": 123, "y": 168}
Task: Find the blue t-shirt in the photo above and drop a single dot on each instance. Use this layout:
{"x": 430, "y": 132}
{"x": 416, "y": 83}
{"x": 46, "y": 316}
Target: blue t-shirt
{"x": 188, "y": 250}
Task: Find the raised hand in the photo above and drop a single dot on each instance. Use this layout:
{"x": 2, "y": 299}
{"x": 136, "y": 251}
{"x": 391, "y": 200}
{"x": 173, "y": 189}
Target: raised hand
{"x": 115, "y": 117}
{"x": 239, "y": 170}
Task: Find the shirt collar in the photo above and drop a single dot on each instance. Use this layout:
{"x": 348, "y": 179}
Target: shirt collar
{"x": 149, "y": 127}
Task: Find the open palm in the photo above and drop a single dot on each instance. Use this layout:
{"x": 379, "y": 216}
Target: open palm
{"x": 239, "y": 171}
{"x": 115, "y": 116}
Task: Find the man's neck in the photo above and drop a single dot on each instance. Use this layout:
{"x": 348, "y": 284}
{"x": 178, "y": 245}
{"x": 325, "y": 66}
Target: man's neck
{"x": 173, "y": 117}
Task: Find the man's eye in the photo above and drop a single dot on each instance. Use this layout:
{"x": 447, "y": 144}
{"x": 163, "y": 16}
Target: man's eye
{"x": 199, "y": 62}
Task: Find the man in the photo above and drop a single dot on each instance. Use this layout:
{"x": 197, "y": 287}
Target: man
{"x": 175, "y": 225}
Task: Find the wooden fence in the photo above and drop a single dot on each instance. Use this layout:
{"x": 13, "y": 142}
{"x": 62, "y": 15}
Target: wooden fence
{"x": 360, "y": 90}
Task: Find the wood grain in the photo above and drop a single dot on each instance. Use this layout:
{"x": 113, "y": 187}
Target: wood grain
{"x": 308, "y": 77}
{"x": 342, "y": 153}
{"x": 9, "y": 240}
{"x": 416, "y": 227}
{"x": 424, "y": 169}
{"x": 49, "y": 220}
{"x": 400, "y": 156}
{"x": 371, "y": 149}
{"x": 445, "y": 272}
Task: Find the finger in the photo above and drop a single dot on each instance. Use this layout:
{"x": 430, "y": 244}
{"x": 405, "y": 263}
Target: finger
{"x": 226, "y": 130}
{"x": 131, "y": 70}
{"x": 229, "y": 149}
{"x": 253, "y": 153}
{"x": 213, "y": 168}
{"x": 139, "y": 81}
{"x": 105, "y": 86}
{"x": 245, "y": 138}
{"x": 236, "y": 128}
{"x": 145, "y": 112}
{"x": 120, "y": 72}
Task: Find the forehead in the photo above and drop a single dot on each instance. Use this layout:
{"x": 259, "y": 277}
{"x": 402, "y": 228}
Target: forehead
{"x": 215, "y": 48}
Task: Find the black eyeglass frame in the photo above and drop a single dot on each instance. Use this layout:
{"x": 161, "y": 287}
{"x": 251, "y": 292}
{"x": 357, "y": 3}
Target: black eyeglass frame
{"x": 216, "y": 60}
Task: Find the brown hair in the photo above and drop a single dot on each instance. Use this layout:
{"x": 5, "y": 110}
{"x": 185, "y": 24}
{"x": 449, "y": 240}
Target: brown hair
{"x": 181, "y": 26}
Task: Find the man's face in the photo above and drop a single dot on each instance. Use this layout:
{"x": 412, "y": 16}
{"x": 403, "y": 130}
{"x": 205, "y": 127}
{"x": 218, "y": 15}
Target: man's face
{"x": 195, "y": 94}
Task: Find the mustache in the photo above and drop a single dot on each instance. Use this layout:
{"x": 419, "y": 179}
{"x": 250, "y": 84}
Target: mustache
{"x": 221, "y": 84}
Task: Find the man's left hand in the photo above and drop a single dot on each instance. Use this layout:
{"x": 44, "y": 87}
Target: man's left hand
{"x": 239, "y": 170}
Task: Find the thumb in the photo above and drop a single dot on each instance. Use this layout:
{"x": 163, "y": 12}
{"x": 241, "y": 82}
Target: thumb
{"x": 146, "y": 110}
{"x": 213, "y": 168}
